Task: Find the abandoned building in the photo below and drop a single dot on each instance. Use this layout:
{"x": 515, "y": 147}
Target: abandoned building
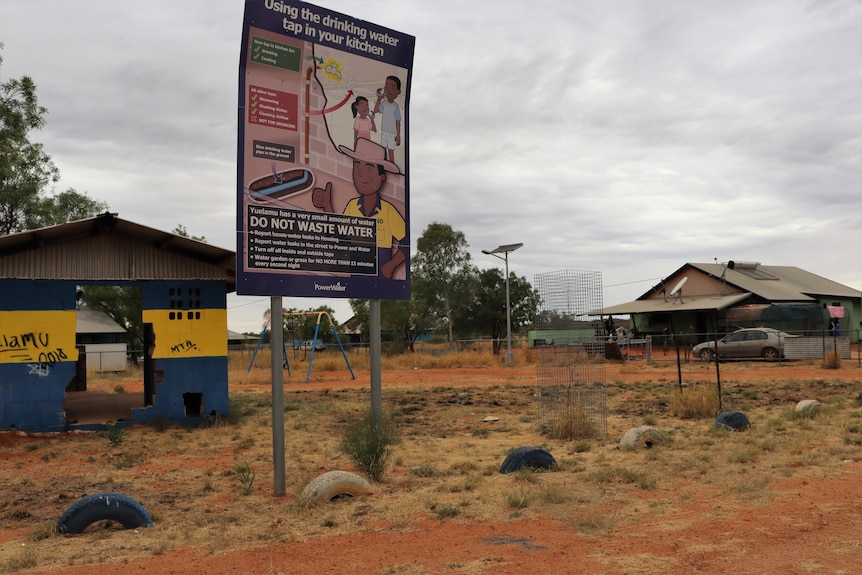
{"x": 184, "y": 285}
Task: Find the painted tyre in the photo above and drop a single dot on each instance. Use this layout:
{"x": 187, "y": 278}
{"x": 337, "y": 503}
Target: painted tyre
{"x": 641, "y": 436}
{"x": 527, "y": 456}
{"x": 335, "y": 484}
{"x": 808, "y": 406}
{"x": 103, "y": 506}
{"x": 733, "y": 421}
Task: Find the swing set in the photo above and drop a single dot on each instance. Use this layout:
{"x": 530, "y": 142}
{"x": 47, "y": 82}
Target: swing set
{"x": 267, "y": 320}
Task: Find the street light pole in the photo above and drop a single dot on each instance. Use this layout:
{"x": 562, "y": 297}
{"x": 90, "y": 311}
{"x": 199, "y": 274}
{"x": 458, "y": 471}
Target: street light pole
{"x": 505, "y": 249}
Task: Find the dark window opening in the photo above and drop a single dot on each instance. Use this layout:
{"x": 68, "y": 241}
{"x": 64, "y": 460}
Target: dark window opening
{"x": 193, "y": 402}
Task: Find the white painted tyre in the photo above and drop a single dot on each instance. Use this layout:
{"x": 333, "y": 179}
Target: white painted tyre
{"x": 335, "y": 484}
{"x": 810, "y": 406}
{"x": 641, "y": 436}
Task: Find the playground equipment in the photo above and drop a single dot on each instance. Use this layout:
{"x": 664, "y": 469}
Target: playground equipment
{"x": 267, "y": 320}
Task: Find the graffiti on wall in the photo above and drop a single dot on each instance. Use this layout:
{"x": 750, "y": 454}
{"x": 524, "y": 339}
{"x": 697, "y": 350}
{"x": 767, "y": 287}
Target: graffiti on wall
{"x": 184, "y": 347}
{"x": 202, "y": 333}
{"x": 37, "y": 337}
{"x": 39, "y": 369}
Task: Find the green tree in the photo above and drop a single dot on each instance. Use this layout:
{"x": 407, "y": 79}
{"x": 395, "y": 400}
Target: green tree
{"x": 553, "y": 319}
{"x": 123, "y": 304}
{"x": 441, "y": 274}
{"x": 26, "y": 171}
{"x": 300, "y": 324}
{"x": 488, "y": 305}
{"x": 64, "y": 207}
{"x": 399, "y": 318}
{"x": 361, "y": 314}
{"x": 181, "y": 230}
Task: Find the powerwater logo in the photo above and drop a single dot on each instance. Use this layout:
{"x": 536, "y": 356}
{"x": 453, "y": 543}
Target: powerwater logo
{"x": 331, "y": 287}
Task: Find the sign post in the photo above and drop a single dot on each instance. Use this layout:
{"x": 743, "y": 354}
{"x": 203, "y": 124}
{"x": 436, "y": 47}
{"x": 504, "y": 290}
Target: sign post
{"x": 323, "y": 194}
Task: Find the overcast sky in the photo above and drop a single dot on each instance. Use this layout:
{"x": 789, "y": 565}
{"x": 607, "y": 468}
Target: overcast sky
{"x": 626, "y": 137}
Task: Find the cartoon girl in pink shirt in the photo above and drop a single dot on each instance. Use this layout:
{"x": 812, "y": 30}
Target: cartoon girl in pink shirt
{"x": 363, "y": 125}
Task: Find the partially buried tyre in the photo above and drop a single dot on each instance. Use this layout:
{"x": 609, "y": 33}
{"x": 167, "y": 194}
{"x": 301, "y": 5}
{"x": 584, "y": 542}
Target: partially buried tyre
{"x": 732, "y": 421}
{"x": 528, "y": 456}
{"x": 335, "y": 485}
{"x": 641, "y": 436}
{"x": 808, "y": 407}
{"x": 105, "y": 506}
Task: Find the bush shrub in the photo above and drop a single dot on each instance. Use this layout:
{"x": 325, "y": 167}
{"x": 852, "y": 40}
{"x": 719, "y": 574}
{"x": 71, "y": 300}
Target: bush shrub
{"x": 368, "y": 442}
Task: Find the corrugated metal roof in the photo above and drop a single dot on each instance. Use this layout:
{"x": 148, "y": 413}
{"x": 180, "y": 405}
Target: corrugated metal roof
{"x": 108, "y": 248}
{"x": 673, "y": 304}
{"x": 236, "y": 336}
{"x": 95, "y": 321}
{"x": 778, "y": 283}
{"x": 717, "y": 286}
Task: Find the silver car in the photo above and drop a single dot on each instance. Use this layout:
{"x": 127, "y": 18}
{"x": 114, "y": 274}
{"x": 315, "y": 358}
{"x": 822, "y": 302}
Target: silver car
{"x": 763, "y": 342}
{"x": 310, "y": 344}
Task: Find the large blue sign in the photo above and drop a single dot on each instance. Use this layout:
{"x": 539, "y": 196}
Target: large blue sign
{"x": 323, "y": 164}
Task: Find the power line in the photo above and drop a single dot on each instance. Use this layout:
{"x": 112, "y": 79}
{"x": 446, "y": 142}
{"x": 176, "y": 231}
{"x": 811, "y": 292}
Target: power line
{"x": 630, "y": 283}
{"x": 245, "y": 304}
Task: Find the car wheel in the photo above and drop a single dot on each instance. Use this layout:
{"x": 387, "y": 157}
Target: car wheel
{"x": 769, "y": 353}
{"x": 706, "y": 354}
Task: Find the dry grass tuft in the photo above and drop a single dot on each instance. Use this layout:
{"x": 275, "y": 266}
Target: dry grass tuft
{"x": 832, "y": 360}
{"x": 695, "y": 402}
{"x": 572, "y": 423}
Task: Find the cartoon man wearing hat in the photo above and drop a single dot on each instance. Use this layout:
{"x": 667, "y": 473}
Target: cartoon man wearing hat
{"x": 370, "y": 167}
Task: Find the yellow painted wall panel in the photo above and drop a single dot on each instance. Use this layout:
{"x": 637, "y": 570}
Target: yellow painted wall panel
{"x": 37, "y": 336}
{"x": 178, "y": 334}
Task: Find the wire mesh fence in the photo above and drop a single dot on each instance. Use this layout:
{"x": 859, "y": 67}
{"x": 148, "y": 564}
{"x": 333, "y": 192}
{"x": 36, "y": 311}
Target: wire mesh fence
{"x": 746, "y": 345}
{"x": 572, "y": 390}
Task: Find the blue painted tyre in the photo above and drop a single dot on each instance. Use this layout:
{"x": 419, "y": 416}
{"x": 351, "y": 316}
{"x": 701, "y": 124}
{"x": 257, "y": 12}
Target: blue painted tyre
{"x": 733, "y": 421}
{"x": 528, "y": 456}
{"x": 100, "y": 507}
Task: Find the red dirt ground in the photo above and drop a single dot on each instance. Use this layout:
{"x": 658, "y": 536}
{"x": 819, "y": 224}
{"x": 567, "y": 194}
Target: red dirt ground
{"x": 811, "y": 525}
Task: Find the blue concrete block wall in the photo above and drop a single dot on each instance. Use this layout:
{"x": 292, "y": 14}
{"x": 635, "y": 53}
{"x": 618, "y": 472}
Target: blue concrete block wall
{"x": 204, "y": 375}
{"x": 32, "y": 394}
{"x": 36, "y": 294}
